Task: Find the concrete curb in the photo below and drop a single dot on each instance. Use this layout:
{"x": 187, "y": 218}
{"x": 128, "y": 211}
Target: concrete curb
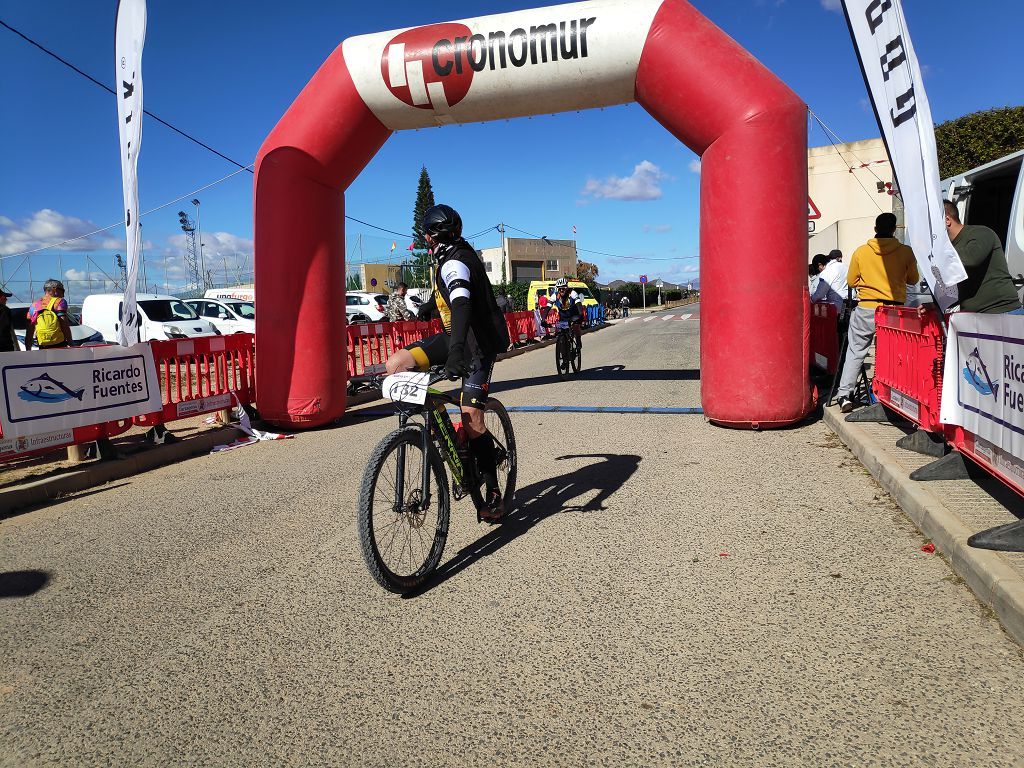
{"x": 100, "y": 472}
{"x": 988, "y": 575}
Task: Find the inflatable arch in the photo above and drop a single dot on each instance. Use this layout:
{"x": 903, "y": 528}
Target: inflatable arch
{"x": 748, "y": 127}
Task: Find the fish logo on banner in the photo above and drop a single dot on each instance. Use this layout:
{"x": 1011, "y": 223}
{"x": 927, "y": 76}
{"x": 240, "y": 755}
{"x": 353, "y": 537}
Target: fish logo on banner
{"x": 129, "y": 39}
{"x": 893, "y": 77}
{"x": 976, "y": 374}
{"x": 46, "y": 389}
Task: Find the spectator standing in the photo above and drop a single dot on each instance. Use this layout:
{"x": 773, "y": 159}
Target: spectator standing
{"x": 396, "y": 308}
{"x": 503, "y": 301}
{"x": 48, "y": 319}
{"x": 988, "y": 288}
{"x": 831, "y": 285}
{"x": 880, "y": 271}
{"x": 624, "y": 306}
{"x": 8, "y": 339}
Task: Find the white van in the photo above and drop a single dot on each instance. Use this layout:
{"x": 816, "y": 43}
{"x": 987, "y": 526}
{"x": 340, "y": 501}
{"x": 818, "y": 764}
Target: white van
{"x": 243, "y": 292}
{"x": 226, "y": 315}
{"x": 160, "y": 317}
{"x": 993, "y": 195}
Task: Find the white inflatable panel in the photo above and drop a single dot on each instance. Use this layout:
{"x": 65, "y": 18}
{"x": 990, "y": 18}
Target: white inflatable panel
{"x": 537, "y": 61}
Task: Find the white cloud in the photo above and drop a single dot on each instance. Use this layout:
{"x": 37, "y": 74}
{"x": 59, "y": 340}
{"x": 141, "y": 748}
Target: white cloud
{"x": 695, "y": 166}
{"x": 643, "y": 184}
{"x": 47, "y": 227}
{"x": 659, "y": 228}
{"x": 832, "y": 5}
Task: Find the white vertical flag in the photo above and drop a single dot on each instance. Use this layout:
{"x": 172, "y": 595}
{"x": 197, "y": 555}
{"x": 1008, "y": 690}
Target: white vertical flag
{"x": 130, "y": 37}
{"x": 894, "y": 80}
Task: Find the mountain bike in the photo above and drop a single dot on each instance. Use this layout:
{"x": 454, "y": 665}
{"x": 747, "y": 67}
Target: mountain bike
{"x": 404, "y": 502}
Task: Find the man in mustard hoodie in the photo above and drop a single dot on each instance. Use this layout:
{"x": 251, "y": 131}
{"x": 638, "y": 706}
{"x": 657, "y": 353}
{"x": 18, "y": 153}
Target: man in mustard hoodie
{"x": 880, "y": 271}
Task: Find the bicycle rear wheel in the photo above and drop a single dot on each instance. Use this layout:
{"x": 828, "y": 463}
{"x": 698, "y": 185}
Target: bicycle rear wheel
{"x": 576, "y": 358}
{"x": 401, "y": 538}
{"x": 500, "y": 426}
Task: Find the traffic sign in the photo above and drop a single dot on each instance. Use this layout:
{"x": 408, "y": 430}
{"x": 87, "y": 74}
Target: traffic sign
{"x": 660, "y": 284}
{"x": 643, "y": 278}
{"x": 812, "y": 210}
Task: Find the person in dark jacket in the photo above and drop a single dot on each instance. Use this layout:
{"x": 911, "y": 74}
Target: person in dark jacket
{"x": 8, "y": 340}
{"x": 988, "y": 289}
{"x": 474, "y": 334}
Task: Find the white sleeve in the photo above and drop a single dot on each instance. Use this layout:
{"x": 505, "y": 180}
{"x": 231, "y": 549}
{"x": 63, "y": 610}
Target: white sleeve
{"x": 456, "y": 279}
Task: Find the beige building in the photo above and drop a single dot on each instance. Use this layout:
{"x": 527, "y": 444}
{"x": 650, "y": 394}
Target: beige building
{"x": 848, "y": 186}
{"x": 529, "y": 259}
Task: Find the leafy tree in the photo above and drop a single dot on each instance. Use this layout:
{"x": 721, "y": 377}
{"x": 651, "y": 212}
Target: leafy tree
{"x": 586, "y": 271}
{"x": 420, "y": 253}
{"x": 978, "y": 138}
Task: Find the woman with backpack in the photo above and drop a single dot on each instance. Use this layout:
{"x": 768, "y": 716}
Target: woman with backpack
{"x": 48, "y": 319}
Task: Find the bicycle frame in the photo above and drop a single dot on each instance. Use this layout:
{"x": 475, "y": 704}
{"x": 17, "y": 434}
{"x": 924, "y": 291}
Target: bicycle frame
{"x": 438, "y": 433}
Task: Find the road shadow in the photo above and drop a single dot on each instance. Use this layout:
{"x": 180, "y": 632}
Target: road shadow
{"x": 71, "y": 496}
{"x": 537, "y": 502}
{"x": 602, "y": 373}
{"x": 22, "y": 583}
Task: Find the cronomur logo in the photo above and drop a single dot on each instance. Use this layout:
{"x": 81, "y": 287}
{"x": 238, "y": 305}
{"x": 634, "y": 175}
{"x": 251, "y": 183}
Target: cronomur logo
{"x": 432, "y": 67}
{"x": 976, "y": 374}
{"x": 408, "y": 67}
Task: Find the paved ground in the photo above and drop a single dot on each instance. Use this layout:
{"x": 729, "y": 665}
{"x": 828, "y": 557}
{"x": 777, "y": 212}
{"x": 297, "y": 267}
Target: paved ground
{"x": 667, "y": 593}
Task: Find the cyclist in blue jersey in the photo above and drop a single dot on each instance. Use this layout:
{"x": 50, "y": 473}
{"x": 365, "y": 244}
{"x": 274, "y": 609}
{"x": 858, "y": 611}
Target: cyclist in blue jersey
{"x": 569, "y": 307}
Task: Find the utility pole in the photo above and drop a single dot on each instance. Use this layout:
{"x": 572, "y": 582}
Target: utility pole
{"x": 504, "y": 272}
{"x": 199, "y": 225}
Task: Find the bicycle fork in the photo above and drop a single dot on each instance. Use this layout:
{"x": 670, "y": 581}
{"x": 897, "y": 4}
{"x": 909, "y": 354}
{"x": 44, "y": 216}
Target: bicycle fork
{"x": 424, "y": 502}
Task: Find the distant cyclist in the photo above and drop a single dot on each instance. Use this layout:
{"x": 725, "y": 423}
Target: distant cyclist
{"x": 474, "y": 335}
{"x": 569, "y": 307}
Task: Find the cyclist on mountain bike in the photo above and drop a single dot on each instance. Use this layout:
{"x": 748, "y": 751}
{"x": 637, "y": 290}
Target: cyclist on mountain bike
{"x": 474, "y": 334}
{"x": 569, "y": 308}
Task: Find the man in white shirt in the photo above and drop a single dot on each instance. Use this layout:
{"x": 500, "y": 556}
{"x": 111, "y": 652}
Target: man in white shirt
{"x": 831, "y": 286}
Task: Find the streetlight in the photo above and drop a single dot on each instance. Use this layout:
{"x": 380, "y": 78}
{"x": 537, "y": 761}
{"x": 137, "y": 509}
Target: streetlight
{"x": 199, "y": 226}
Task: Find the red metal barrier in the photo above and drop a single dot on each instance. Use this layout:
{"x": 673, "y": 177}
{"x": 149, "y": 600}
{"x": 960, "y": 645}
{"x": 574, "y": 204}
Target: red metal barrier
{"x": 997, "y": 462}
{"x": 195, "y": 375}
{"x": 200, "y": 375}
{"x": 908, "y": 364}
{"x": 521, "y": 327}
{"x": 825, "y": 337}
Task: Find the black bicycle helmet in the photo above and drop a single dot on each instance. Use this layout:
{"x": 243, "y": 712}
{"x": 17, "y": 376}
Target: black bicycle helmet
{"x": 443, "y": 223}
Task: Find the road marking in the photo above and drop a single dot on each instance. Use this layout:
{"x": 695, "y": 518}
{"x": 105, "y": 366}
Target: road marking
{"x": 685, "y": 317}
{"x": 668, "y": 317}
{"x": 648, "y": 319}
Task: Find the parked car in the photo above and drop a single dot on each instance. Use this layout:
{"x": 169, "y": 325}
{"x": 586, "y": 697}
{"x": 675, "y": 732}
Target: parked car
{"x": 370, "y": 304}
{"x": 160, "y": 317}
{"x": 80, "y": 334}
{"x": 226, "y": 315}
{"x": 353, "y": 315}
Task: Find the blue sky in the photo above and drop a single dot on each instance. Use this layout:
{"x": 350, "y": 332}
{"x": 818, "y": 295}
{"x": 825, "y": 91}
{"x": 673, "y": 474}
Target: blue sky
{"x": 226, "y": 71}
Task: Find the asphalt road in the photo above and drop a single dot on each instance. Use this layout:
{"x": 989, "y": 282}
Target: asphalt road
{"x": 665, "y": 593}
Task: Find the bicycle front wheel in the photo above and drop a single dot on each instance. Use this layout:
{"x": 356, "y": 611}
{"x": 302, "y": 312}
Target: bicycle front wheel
{"x": 562, "y": 354}
{"x": 576, "y": 359}
{"x": 402, "y": 534}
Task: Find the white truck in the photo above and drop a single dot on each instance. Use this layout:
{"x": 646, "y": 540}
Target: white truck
{"x": 993, "y": 195}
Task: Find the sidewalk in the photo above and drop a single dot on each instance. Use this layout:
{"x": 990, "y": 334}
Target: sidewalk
{"x": 948, "y": 512}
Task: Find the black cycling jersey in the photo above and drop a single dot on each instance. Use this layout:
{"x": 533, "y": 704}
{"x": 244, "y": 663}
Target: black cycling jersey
{"x": 464, "y": 299}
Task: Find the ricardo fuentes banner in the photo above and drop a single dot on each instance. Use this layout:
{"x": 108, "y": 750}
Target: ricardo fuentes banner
{"x": 983, "y": 385}
{"x": 50, "y": 391}
{"x": 893, "y": 77}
